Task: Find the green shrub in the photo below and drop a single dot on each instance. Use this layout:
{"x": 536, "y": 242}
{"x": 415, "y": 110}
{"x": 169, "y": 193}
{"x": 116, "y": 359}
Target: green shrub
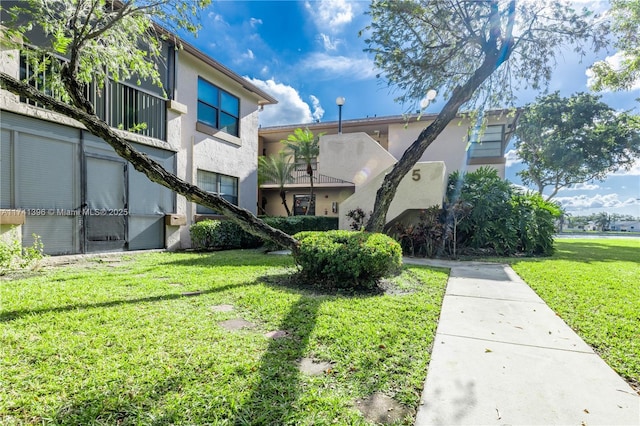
{"x": 293, "y": 224}
{"x": 424, "y": 238}
{"x": 14, "y": 256}
{"x": 488, "y": 224}
{"x": 225, "y": 234}
{"x": 358, "y": 219}
{"x": 347, "y": 259}
{"x": 484, "y": 215}
{"x": 534, "y": 219}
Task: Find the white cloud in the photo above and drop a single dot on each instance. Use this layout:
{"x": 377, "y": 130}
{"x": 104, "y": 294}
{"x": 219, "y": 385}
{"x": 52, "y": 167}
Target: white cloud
{"x": 582, "y": 187}
{"x": 633, "y": 171}
{"x": 216, "y": 17}
{"x": 597, "y": 201}
{"x": 318, "y": 111}
{"x": 327, "y": 43}
{"x": 512, "y": 158}
{"x": 331, "y": 14}
{"x": 254, "y": 22}
{"x": 290, "y": 109}
{"x": 248, "y": 55}
{"x": 336, "y": 66}
{"x": 615, "y": 62}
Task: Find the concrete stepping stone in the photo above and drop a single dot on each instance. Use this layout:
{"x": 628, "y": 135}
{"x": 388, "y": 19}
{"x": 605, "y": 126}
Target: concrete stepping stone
{"x": 236, "y": 324}
{"x": 314, "y": 367}
{"x": 277, "y": 334}
{"x": 381, "y": 409}
{"x": 222, "y": 308}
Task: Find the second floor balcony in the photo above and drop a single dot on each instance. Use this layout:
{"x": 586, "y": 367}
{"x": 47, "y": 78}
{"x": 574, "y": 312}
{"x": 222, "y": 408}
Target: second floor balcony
{"x": 301, "y": 178}
{"x": 120, "y": 105}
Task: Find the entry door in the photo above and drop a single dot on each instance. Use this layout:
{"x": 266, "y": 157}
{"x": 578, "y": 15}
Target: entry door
{"x": 105, "y": 208}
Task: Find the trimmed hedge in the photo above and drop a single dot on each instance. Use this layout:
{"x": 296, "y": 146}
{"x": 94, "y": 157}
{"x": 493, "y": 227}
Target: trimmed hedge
{"x": 225, "y": 234}
{"x": 347, "y": 259}
{"x": 294, "y": 224}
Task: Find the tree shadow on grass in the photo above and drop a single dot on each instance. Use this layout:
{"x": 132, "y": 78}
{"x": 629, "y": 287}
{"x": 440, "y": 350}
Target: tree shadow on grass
{"x": 229, "y": 258}
{"x": 12, "y": 315}
{"x": 274, "y": 394}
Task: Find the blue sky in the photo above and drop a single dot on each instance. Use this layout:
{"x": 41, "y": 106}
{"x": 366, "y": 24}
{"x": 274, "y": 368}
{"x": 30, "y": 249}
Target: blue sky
{"x": 307, "y": 53}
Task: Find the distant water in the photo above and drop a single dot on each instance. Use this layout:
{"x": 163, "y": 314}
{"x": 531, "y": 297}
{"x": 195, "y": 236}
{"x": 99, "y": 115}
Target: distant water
{"x": 600, "y": 235}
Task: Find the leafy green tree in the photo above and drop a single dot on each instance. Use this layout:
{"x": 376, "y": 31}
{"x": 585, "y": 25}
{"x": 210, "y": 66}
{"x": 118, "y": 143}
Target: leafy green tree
{"x": 625, "y": 17}
{"x": 602, "y": 220}
{"x": 472, "y": 53}
{"x": 277, "y": 169}
{"x": 119, "y": 40}
{"x": 566, "y": 141}
{"x": 306, "y": 148}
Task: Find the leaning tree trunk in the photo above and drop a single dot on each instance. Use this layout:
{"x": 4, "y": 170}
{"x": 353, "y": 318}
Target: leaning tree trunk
{"x": 495, "y": 55}
{"x": 141, "y": 162}
{"x": 412, "y": 155}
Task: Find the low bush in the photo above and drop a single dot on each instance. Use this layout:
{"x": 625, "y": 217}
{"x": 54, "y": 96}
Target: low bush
{"x": 358, "y": 219}
{"x": 14, "y": 256}
{"x": 293, "y": 224}
{"x": 484, "y": 214}
{"x": 223, "y": 234}
{"x": 424, "y": 238}
{"x": 347, "y": 259}
{"x": 534, "y": 221}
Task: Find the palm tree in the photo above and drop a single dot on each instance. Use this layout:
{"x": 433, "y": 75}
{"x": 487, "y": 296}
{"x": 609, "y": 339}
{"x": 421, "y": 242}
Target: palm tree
{"x": 277, "y": 169}
{"x": 306, "y": 148}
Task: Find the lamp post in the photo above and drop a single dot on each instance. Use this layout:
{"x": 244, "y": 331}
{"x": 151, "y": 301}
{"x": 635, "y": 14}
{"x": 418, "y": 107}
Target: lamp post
{"x": 430, "y": 96}
{"x": 339, "y": 102}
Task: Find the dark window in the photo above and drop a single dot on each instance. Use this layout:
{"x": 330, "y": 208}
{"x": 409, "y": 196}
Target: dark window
{"x": 487, "y": 144}
{"x": 301, "y": 203}
{"x": 216, "y": 183}
{"x": 217, "y": 108}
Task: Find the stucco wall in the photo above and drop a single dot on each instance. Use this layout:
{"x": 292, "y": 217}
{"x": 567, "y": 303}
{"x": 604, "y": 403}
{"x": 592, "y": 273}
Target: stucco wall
{"x": 450, "y": 146}
{"x": 422, "y": 187}
{"x": 353, "y": 157}
{"x": 221, "y": 152}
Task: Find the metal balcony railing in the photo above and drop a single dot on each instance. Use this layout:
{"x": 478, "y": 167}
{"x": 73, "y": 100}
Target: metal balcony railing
{"x": 120, "y": 105}
{"x": 300, "y": 177}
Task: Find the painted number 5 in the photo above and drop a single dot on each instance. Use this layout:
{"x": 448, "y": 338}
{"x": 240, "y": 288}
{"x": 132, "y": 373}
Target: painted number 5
{"x": 415, "y": 175}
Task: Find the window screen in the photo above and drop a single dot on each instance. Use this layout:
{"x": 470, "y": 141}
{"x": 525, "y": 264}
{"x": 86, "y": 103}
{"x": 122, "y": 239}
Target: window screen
{"x": 488, "y": 144}
{"x": 216, "y": 183}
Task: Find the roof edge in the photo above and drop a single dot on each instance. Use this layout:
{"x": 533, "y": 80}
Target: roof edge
{"x": 266, "y": 99}
{"x": 389, "y": 119}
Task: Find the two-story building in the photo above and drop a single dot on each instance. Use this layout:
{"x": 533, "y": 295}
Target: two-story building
{"x": 69, "y": 187}
{"x": 351, "y": 165}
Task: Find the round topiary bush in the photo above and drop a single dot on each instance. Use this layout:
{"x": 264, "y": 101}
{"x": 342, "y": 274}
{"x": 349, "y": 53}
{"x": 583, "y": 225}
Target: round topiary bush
{"x": 347, "y": 259}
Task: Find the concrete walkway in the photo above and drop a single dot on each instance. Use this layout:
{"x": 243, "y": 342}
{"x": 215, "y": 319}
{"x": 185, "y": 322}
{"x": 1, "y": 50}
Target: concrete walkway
{"x": 501, "y": 356}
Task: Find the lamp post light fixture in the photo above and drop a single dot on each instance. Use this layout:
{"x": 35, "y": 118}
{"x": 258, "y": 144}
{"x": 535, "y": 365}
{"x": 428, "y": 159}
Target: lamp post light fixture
{"x": 430, "y": 96}
{"x": 340, "y": 101}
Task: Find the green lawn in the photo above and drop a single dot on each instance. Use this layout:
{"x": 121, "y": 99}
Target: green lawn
{"x": 594, "y": 285}
{"x": 120, "y": 343}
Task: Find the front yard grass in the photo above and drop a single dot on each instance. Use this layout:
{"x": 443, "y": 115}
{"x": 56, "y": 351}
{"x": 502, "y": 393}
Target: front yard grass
{"x": 594, "y": 286}
{"x": 138, "y": 341}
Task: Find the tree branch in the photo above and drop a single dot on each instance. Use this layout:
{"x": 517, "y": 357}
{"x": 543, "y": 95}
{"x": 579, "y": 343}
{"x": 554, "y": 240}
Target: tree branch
{"x": 152, "y": 169}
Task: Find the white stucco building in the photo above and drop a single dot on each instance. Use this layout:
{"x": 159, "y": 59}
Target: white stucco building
{"x": 70, "y": 188}
{"x": 351, "y": 165}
